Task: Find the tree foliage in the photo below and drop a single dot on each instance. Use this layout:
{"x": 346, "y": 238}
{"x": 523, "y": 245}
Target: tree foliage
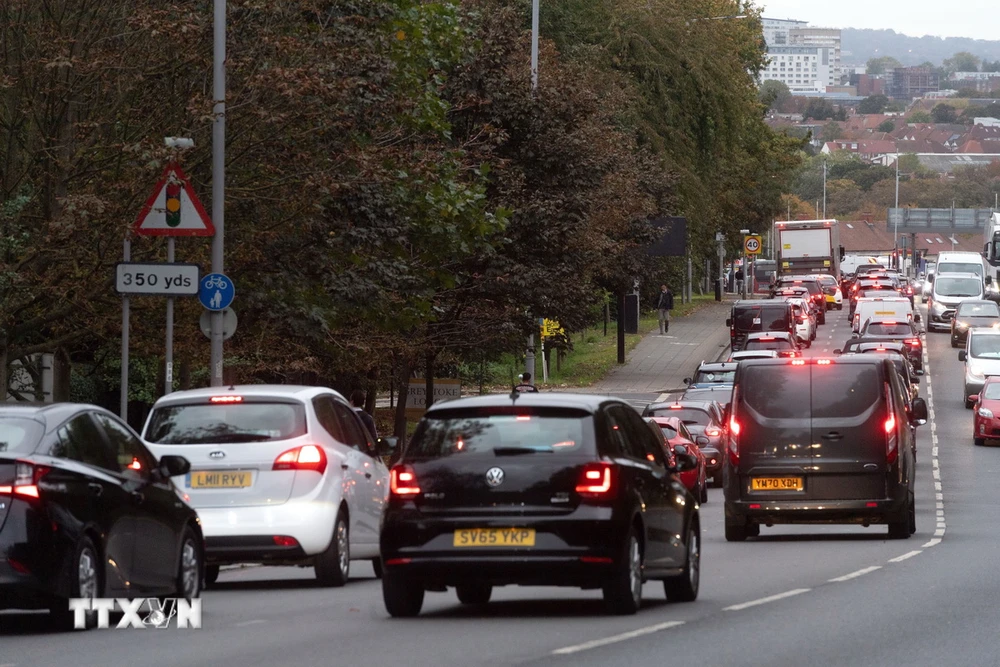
{"x": 880, "y": 64}
{"x": 873, "y": 104}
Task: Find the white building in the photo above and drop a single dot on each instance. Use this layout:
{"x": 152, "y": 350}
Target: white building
{"x": 802, "y": 68}
{"x": 776, "y": 31}
{"x": 824, "y": 37}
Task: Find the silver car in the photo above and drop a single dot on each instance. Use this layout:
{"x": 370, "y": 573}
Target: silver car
{"x": 982, "y": 359}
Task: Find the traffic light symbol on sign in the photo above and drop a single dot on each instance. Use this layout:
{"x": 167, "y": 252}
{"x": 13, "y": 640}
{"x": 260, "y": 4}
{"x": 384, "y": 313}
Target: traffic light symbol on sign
{"x": 173, "y": 203}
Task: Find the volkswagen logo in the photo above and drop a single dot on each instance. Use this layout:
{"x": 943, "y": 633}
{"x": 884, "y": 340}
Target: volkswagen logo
{"x": 217, "y": 454}
{"x": 494, "y": 476}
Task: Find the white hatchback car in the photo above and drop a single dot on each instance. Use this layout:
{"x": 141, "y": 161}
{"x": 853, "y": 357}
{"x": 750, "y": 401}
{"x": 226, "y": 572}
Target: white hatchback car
{"x": 279, "y": 475}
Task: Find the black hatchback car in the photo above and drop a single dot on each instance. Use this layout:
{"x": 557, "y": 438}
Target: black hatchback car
{"x": 537, "y": 489}
{"x": 87, "y": 511}
{"x": 971, "y": 314}
{"x": 820, "y": 441}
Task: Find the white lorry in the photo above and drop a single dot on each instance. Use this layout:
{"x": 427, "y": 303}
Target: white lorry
{"x": 808, "y": 246}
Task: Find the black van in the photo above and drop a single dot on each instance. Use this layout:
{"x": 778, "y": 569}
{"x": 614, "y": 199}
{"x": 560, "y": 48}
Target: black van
{"x": 749, "y": 316}
{"x": 820, "y": 441}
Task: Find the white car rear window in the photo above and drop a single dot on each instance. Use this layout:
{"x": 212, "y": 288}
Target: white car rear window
{"x": 197, "y": 424}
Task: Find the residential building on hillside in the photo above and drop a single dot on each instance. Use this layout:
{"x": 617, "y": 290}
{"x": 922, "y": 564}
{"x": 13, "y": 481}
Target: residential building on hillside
{"x": 906, "y": 83}
{"x": 801, "y": 68}
{"x": 822, "y": 37}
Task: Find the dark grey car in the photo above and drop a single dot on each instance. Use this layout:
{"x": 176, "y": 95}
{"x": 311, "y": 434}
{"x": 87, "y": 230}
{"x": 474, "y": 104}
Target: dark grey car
{"x": 820, "y": 441}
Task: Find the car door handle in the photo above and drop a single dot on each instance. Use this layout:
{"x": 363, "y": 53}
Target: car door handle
{"x": 96, "y": 489}
{"x": 833, "y": 435}
{"x": 344, "y": 466}
{"x": 368, "y": 475}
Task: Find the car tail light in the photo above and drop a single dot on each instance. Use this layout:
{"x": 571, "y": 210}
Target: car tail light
{"x": 285, "y": 541}
{"x": 891, "y": 445}
{"x": 823, "y": 362}
{"x": 595, "y": 480}
{"x": 403, "y": 481}
{"x": 26, "y": 478}
{"x": 798, "y": 362}
{"x": 804, "y": 318}
{"x": 306, "y": 457}
{"x": 734, "y": 434}
{"x": 713, "y": 431}
{"x": 226, "y": 399}
{"x": 915, "y": 342}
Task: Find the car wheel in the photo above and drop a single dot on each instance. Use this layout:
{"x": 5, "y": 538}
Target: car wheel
{"x": 979, "y": 442}
{"x": 968, "y": 404}
{"x": 474, "y": 593}
{"x": 85, "y": 582}
{"x": 189, "y": 566}
{"x": 899, "y": 525}
{"x": 623, "y": 592}
{"x": 334, "y": 565}
{"x": 403, "y": 598}
{"x": 736, "y": 532}
{"x": 684, "y": 587}
{"x": 753, "y": 529}
{"x": 822, "y": 317}
{"x": 211, "y": 575}
{"x": 717, "y": 480}
{"x": 913, "y": 515}
{"x": 954, "y": 343}
{"x": 377, "y": 567}
{"x": 703, "y": 496}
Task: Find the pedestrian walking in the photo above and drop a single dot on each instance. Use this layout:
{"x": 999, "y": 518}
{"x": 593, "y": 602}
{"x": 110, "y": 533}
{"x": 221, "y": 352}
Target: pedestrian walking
{"x": 525, "y": 386}
{"x": 739, "y": 280}
{"x": 358, "y": 403}
{"x": 664, "y": 304}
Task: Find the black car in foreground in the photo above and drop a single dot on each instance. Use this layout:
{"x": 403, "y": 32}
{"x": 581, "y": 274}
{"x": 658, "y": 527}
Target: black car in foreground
{"x": 537, "y": 489}
{"x": 829, "y": 441}
{"x": 86, "y": 511}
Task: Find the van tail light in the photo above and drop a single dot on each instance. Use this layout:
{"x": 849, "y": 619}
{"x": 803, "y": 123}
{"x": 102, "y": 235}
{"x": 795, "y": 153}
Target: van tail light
{"x": 915, "y": 342}
{"x": 891, "y": 440}
{"x": 26, "y": 478}
{"x": 713, "y": 431}
{"x": 733, "y": 447}
{"x": 306, "y": 457}
{"x": 403, "y": 481}
{"x": 595, "y": 480}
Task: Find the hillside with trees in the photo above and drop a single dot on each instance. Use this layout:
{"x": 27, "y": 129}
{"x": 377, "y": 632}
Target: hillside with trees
{"x": 864, "y": 44}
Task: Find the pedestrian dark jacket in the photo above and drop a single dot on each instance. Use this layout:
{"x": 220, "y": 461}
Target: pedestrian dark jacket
{"x": 739, "y": 274}
{"x": 666, "y": 301}
{"x": 368, "y": 421}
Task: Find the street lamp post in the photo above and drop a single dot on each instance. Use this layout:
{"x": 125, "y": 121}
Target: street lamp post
{"x": 218, "y": 174}
{"x": 529, "y": 352}
{"x": 824, "y": 189}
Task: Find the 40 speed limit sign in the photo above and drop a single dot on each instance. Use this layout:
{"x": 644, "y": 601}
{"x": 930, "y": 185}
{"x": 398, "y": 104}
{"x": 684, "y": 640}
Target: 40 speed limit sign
{"x": 751, "y": 244}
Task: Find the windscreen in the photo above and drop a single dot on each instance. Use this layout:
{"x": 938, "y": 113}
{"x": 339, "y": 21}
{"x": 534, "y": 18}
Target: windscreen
{"x": 553, "y": 432}
{"x": 987, "y": 347}
{"x": 888, "y": 329}
{"x": 768, "y": 344}
{"x": 225, "y": 423}
{"x": 19, "y": 435}
{"x": 978, "y": 310}
{"x": 992, "y": 390}
{"x": 668, "y": 432}
{"x": 961, "y": 267}
{"x": 684, "y": 414}
{"x": 946, "y": 286}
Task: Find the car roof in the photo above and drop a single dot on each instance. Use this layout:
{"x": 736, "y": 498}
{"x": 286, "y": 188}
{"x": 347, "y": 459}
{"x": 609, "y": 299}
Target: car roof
{"x": 284, "y": 391}
{"x": 682, "y": 403}
{"x": 977, "y": 302}
{"x": 717, "y": 366}
{"x": 48, "y": 414}
{"x": 586, "y": 402}
{"x": 847, "y": 358}
{"x": 984, "y": 331}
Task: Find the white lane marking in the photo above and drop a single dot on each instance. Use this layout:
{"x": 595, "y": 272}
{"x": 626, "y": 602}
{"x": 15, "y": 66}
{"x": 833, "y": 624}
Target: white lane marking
{"x": 614, "y": 639}
{"x": 256, "y": 621}
{"x": 770, "y": 598}
{"x": 900, "y": 559}
{"x": 939, "y": 532}
{"x": 854, "y": 575}
{"x": 936, "y": 473}
{"x": 931, "y": 543}
{"x": 663, "y": 398}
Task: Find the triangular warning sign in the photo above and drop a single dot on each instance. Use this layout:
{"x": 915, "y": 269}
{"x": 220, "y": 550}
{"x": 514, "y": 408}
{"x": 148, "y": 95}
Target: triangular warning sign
{"x": 173, "y": 209}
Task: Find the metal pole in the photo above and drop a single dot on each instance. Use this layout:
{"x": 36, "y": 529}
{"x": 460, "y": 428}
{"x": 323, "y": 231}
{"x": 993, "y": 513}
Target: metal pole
{"x": 218, "y": 174}
{"x": 690, "y": 280}
{"x": 169, "y": 355}
{"x": 534, "y": 45}
{"x": 824, "y": 189}
{"x": 895, "y": 214}
{"x": 123, "y": 411}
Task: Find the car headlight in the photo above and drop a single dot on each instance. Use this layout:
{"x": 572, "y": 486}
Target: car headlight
{"x": 961, "y": 325}
{"x": 983, "y": 412}
{"x": 975, "y": 371}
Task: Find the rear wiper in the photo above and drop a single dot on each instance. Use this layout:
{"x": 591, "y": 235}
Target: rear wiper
{"x": 515, "y": 451}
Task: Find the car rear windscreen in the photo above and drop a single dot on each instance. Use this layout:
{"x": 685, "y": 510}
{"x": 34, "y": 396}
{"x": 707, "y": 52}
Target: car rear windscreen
{"x": 19, "y": 435}
{"x": 844, "y": 390}
{"x": 779, "y": 392}
{"x": 196, "y": 424}
{"x": 978, "y": 310}
{"x": 544, "y": 432}
{"x": 888, "y": 329}
{"x": 684, "y": 414}
{"x": 762, "y": 318}
{"x": 987, "y": 347}
{"x": 770, "y": 344}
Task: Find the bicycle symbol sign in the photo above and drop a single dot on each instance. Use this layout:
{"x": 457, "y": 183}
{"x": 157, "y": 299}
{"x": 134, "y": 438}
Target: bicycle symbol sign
{"x": 216, "y": 291}
{"x": 752, "y": 245}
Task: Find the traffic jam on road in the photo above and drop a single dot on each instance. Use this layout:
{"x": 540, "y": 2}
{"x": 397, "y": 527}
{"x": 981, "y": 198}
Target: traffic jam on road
{"x": 808, "y": 430}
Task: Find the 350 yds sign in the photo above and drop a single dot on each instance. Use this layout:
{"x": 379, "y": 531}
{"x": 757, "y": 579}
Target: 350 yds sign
{"x": 157, "y": 279}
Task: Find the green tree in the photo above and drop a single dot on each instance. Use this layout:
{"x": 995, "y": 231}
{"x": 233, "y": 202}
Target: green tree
{"x": 881, "y": 64}
{"x": 919, "y": 116}
{"x": 832, "y": 131}
{"x": 873, "y": 104}
{"x": 774, "y": 94}
{"x": 963, "y": 61}
{"x": 887, "y": 125}
{"x": 944, "y": 113}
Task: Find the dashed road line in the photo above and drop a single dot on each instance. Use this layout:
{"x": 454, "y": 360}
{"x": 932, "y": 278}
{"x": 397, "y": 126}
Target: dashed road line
{"x": 769, "y": 598}
{"x": 614, "y": 639}
{"x": 911, "y": 554}
{"x": 855, "y": 575}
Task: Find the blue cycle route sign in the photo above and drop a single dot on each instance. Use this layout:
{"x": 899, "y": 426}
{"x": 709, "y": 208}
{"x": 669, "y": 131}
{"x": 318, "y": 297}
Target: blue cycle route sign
{"x": 216, "y": 291}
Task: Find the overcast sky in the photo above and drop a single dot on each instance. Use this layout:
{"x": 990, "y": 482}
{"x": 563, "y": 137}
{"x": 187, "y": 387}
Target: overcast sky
{"x": 959, "y": 18}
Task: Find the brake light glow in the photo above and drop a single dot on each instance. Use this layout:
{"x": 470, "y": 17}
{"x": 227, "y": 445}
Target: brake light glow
{"x": 734, "y": 426}
{"x": 798, "y": 362}
{"x": 891, "y": 448}
{"x": 226, "y": 399}
{"x": 596, "y": 560}
{"x": 306, "y": 457}
{"x": 734, "y": 429}
{"x": 914, "y": 342}
{"x": 823, "y": 362}
{"x": 595, "y": 480}
{"x": 755, "y": 506}
{"x": 766, "y": 338}
{"x": 403, "y": 481}
{"x": 675, "y": 407}
{"x": 871, "y": 504}
{"x": 713, "y": 431}
{"x": 26, "y": 478}
{"x": 890, "y": 424}
{"x": 285, "y": 541}
{"x": 6, "y": 490}
{"x": 522, "y": 418}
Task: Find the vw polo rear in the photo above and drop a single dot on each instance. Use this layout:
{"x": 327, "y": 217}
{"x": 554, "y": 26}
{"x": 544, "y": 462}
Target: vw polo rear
{"x": 819, "y": 441}
{"x": 258, "y": 474}
{"x": 504, "y": 495}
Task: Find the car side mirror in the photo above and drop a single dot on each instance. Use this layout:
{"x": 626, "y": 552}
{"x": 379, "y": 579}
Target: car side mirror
{"x": 172, "y": 466}
{"x": 729, "y": 321}
{"x": 962, "y": 356}
{"x": 685, "y": 461}
{"x": 702, "y": 440}
{"x": 973, "y": 398}
{"x": 918, "y": 410}
{"x": 855, "y": 334}
{"x": 687, "y": 380}
{"x": 386, "y": 445}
